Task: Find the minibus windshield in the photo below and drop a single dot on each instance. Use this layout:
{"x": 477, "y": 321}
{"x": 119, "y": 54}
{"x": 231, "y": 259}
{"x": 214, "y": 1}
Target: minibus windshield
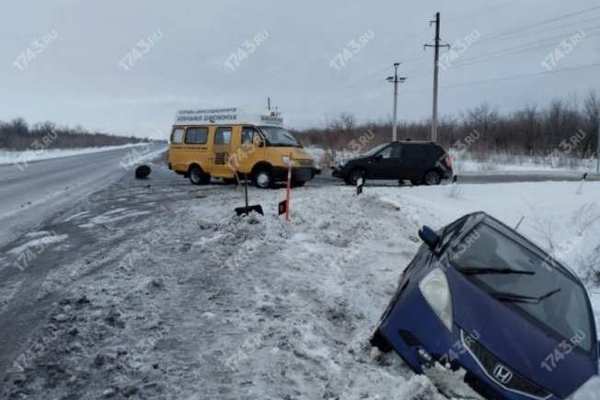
{"x": 279, "y": 137}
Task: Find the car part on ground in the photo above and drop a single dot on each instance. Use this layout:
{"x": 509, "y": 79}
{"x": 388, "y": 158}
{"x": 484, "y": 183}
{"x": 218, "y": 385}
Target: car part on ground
{"x": 143, "y": 172}
{"x": 480, "y": 297}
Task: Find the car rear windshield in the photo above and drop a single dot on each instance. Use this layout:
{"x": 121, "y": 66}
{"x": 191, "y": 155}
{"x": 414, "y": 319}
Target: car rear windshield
{"x": 523, "y": 277}
{"x": 376, "y": 149}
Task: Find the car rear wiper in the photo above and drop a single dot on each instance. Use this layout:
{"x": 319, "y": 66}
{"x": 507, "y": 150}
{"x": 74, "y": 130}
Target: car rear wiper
{"x": 519, "y": 298}
{"x": 478, "y": 271}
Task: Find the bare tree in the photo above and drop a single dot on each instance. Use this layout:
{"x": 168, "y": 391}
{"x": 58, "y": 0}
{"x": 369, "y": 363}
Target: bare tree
{"x": 529, "y": 131}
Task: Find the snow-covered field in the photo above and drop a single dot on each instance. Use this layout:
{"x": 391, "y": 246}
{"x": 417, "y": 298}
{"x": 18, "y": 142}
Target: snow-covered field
{"x": 468, "y": 163}
{"x": 14, "y": 157}
{"x": 180, "y": 299}
{"x": 465, "y": 163}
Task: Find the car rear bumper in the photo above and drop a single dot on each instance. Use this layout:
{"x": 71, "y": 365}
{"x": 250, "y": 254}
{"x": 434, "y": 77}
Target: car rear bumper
{"x": 338, "y": 173}
{"x": 446, "y": 172}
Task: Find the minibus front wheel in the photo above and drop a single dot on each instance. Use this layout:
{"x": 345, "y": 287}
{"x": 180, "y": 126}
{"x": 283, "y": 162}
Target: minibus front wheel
{"x": 263, "y": 178}
{"x": 197, "y": 176}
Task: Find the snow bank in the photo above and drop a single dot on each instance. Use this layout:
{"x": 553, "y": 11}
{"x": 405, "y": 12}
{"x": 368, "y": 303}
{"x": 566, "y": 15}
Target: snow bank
{"x": 13, "y": 157}
{"x": 464, "y": 162}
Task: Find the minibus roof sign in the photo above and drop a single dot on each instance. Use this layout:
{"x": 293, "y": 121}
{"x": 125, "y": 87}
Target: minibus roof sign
{"x": 232, "y": 115}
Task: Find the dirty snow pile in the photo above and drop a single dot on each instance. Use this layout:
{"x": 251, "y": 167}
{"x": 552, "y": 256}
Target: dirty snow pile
{"x": 192, "y": 302}
{"x": 200, "y": 304}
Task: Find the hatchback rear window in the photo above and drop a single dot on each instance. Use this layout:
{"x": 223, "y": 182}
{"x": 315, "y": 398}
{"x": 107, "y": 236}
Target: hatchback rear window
{"x": 417, "y": 152}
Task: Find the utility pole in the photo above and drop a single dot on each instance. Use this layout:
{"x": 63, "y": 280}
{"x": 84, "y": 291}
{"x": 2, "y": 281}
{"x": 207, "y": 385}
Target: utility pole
{"x": 436, "y": 69}
{"x": 395, "y": 79}
{"x": 269, "y": 104}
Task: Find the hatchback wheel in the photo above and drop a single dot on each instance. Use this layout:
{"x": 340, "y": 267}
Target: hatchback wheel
{"x": 263, "y": 179}
{"x": 432, "y": 178}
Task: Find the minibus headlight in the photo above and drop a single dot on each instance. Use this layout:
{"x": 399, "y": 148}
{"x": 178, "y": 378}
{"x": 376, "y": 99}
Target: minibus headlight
{"x": 436, "y": 291}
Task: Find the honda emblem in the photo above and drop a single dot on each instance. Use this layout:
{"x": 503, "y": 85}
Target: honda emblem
{"x": 502, "y": 374}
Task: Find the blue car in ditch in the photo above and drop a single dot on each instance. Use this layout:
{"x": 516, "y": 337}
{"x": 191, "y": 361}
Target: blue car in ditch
{"x": 481, "y": 298}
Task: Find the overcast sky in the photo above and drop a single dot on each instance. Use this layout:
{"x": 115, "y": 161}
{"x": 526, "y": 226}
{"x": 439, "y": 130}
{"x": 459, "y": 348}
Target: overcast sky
{"x": 88, "y": 66}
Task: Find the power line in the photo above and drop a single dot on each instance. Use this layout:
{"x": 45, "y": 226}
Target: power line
{"x": 527, "y": 27}
{"x": 539, "y": 45}
{"x": 542, "y": 43}
{"x": 505, "y": 35}
{"x": 520, "y": 76}
{"x": 420, "y": 58}
{"x": 510, "y": 78}
{"x": 566, "y": 26}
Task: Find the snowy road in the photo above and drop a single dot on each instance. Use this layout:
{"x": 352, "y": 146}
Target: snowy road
{"x": 154, "y": 289}
{"x": 33, "y": 191}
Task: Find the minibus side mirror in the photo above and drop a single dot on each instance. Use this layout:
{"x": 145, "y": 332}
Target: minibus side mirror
{"x": 429, "y": 236}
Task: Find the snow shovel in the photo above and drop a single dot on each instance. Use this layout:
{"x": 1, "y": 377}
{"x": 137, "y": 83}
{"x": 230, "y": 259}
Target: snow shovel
{"x": 248, "y": 209}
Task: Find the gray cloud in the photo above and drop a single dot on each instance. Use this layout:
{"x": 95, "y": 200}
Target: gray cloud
{"x": 77, "y": 79}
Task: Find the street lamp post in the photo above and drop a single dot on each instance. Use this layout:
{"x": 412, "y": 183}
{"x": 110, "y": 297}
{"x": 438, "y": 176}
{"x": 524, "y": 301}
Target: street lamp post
{"x": 395, "y": 80}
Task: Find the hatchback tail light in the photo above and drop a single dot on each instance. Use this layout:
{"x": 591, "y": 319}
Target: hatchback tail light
{"x": 448, "y": 161}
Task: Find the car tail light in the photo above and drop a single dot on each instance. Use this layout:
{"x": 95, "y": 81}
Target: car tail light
{"x": 448, "y": 161}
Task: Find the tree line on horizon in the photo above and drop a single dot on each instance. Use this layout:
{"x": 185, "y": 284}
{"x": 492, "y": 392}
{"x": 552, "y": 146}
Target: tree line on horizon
{"x": 18, "y": 135}
{"x": 529, "y": 131}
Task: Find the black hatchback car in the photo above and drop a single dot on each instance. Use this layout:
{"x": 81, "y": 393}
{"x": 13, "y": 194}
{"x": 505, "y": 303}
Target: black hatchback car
{"x": 418, "y": 162}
